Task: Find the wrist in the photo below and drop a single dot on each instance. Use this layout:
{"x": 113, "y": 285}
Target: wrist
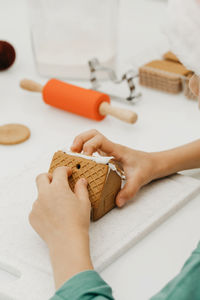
{"x": 69, "y": 257}
{"x": 161, "y": 165}
{"x": 68, "y": 237}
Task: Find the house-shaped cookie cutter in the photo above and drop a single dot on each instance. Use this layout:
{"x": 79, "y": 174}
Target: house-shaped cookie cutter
{"x": 95, "y": 68}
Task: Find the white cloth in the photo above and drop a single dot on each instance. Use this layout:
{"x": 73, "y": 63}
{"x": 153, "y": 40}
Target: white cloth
{"x": 184, "y": 32}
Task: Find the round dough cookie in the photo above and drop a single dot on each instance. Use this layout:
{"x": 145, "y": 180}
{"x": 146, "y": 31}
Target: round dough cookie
{"x": 11, "y": 134}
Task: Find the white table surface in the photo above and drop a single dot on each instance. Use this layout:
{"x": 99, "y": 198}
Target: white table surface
{"x": 165, "y": 121}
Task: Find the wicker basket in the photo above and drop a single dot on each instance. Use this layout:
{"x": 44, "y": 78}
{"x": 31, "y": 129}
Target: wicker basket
{"x": 163, "y": 75}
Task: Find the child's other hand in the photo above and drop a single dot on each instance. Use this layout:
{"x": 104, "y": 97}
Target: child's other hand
{"x": 138, "y": 166}
{"x": 62, "y": 219}
{"x": 58, "y": 211}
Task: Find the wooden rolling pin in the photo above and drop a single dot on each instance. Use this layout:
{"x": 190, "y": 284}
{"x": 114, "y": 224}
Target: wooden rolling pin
{"x": 87, "y": 103}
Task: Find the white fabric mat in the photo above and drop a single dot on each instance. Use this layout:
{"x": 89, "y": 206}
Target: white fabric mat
{"x": 24, "y": 254}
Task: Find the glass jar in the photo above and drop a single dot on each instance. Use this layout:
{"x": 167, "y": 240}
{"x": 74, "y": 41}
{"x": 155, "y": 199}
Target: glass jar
{"x": 66, "y": 34}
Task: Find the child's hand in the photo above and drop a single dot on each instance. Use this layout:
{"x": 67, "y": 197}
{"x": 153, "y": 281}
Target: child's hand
{"x": 138, "y": 166}
{"x": 62, "y": 219}
{"x": 59, "y": 211}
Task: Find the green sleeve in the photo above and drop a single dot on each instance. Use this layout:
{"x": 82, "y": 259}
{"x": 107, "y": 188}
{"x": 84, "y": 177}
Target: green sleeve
{"x": 86, "y": 285}
{"x": 186, "y": 285}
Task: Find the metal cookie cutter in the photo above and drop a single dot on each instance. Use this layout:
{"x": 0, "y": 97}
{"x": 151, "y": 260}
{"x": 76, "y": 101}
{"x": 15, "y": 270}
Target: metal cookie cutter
{"x": 129, "y": 76}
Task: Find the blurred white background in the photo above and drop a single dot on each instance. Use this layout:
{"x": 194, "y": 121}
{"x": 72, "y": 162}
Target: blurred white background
{"x": 164, "y": 121}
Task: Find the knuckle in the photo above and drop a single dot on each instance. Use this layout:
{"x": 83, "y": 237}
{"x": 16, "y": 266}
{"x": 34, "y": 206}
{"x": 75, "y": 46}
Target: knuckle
{"x": 78, "y": 138}
{"x": 31, "y": 217}
{"x": 100, "y": 137}
{"x": 88, "y": 147}
{"x": 95, "y": 131}
{"x": 40, "y": 176}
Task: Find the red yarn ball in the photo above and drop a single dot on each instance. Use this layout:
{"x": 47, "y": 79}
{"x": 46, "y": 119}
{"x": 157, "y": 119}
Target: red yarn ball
{"x": 7, "y": 55}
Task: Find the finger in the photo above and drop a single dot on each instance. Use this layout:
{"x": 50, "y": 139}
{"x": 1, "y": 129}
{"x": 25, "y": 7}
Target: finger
{"x": 61, "y": 174}
{"x": 81, "y": 190}
{"x": 42, "y": 180}
{"x": 92, "y": 141}
{"x": 79, "y": 141}
{"x": 99, "y": 142}
{"x": 128, "y": 191}
{"x": 101, "y": 153}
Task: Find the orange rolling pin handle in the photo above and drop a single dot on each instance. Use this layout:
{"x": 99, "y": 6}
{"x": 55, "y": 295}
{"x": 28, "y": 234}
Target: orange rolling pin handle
{"x": 88, "y": 103}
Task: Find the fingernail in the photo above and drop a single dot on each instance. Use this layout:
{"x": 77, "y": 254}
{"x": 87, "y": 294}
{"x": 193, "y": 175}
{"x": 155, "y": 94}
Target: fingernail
{"x": 121, "y": 202}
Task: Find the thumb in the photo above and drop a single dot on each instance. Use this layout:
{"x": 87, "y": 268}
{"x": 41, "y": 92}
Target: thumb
{"x": 127, "y": 192}
{"x": 81, "y": 190}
